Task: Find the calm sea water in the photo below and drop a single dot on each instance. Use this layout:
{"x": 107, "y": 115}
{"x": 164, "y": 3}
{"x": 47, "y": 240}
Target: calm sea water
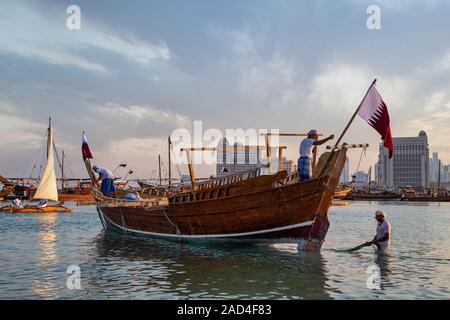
{"x": 37, "y": 249}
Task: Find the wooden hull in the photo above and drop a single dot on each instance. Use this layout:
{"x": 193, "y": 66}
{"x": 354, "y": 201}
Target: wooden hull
{"x": 288, "y": 211}
{"x": 257, "y": 207}
{"x": 427, "y": 199}
{"x": 57, "y": 209}
{"x": 75, "y": 197}
{"x": 4, "y": 193}
{"x": 380, "y": 197}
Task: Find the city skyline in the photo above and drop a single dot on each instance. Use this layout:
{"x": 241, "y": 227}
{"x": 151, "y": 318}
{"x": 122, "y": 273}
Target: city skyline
{"x": 130, "y": 82}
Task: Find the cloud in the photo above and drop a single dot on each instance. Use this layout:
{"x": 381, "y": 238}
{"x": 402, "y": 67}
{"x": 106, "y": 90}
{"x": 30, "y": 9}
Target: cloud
{"x": 141, "y": 113}
{"x": 17, "y": 130}
{"x": 435, "y": 116}
{"x": 31, "y": 33}
{"x": 268, "y": 79}
{"x": 396, "y": 5}
{"x": 338, "y": 87}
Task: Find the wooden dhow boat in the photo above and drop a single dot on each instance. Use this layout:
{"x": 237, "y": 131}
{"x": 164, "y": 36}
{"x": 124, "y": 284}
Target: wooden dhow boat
{"x": 247, "y": 204}
{"x": 8, "y": 187}
{"x": 244, "y": 205}
{"x": 46, "y": 189}
{"x": 342, "y": 192}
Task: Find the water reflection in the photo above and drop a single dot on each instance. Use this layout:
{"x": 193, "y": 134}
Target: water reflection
{"x": 150, "y": 268}
{"x": 46, "y": 255}
{"x": 383, "y": 262}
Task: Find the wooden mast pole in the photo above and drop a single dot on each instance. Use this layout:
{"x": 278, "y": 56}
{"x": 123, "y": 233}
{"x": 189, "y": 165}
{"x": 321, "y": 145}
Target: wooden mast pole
{"x": 354, "y": 115}
{"x": 49, "y": 132}
{"x": 62, "y": 169}
{"x": 439, "y": 177}
{"x": 280, "y": 159}
{"x": 170, "y": 167}
{"x": 191, "y": 168}
{"x": 159, "y": 166}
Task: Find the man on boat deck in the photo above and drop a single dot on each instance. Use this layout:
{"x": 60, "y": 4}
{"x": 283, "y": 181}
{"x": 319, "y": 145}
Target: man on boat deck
{"x": 383, "y": 236}
{"x": 306, "y": 146}
{"x": 17, "y": 204}
{"x": 42, "y": 203}
{"x": 107, "y": 179}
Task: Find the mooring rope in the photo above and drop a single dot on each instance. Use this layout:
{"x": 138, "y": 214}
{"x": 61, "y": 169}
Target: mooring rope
{"x": 173, "y": 224}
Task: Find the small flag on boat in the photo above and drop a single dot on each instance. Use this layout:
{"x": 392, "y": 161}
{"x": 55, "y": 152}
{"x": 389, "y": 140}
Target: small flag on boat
{"x": 85, "y": 148}
{"x": 374, "y": 110}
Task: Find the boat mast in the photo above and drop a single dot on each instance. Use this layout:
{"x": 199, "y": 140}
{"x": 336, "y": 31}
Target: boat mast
{"x": 62, "y": 169}
{"x": 49, "y": 132}
{"x": 159, "y": 164}
{"x": 439, "y": 176}
{"x": 170, "y": 167}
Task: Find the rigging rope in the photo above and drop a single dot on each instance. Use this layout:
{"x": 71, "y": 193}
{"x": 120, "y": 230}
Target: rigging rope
{"x": 177, "y": 166}
{"x": 37, "y": 154}
{"x": 363, "y": 151}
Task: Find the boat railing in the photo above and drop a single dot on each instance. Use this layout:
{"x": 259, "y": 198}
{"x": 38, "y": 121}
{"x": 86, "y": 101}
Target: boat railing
{"x": 230, "y": 179}
{"x": 115, "y": 201}
{"x": 216, "y": 187}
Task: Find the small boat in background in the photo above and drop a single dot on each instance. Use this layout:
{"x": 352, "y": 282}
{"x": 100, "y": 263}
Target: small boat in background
{"x": 342, "y": 192}
{"x": 46, "y": 189}
{"x": 8, "y": 187}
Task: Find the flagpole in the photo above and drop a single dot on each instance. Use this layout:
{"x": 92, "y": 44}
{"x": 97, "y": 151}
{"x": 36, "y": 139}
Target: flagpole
{"x": 354, "y": 115}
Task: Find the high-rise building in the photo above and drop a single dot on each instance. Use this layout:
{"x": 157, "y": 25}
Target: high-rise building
{"x": 287, "y": 165}
{"x": 236, "y": 158}
{"x": 446, "y": 173}
{"x": 377, "y": 174}
{"x": 434, "y": 167}
{"x": 345, "y": 175}
{"x": 361, "y": 177}
{"x": 409, "y": 165}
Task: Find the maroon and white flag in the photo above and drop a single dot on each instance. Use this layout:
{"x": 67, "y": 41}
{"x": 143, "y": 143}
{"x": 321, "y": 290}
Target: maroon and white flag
{"x": 374, "y": 110}
{"x": 85, "y": 148}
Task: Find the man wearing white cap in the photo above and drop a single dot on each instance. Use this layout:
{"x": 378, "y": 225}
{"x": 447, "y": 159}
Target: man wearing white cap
{"x": 383, "y": 236}
{"x": 304, "y": 162}
{"x": 107, "y": 178}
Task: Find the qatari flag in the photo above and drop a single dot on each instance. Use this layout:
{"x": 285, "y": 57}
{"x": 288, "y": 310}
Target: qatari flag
{"x": 85, "y": 148}
{"x": 374, "y": 110}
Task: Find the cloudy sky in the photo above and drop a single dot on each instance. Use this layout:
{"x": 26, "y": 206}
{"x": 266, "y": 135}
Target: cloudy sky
{"x": 137, "y": 70}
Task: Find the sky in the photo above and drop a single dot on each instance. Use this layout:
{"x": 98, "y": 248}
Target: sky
{"x": 137, "y": 70}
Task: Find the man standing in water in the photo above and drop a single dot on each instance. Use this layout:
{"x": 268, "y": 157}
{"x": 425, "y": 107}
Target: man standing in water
{"x": 306, "y": 146}
{"x": 383, "y": 236}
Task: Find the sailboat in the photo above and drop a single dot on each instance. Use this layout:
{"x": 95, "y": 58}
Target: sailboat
{"x": 47, "y": 188}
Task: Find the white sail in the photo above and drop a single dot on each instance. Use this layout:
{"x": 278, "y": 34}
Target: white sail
{"x": 47, "y": 185}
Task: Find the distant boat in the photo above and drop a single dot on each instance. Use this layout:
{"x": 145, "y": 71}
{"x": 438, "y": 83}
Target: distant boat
{"x": 47, "y": 188}
{"x": 342, "y": 192}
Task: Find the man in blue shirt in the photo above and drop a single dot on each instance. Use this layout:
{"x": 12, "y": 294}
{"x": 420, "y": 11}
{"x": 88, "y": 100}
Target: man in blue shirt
{"x": 107, "y": 180}
{"x": 306, "y": 146}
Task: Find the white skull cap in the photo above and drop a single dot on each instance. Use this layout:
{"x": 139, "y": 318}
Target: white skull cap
{"x": 380, "y": 213}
